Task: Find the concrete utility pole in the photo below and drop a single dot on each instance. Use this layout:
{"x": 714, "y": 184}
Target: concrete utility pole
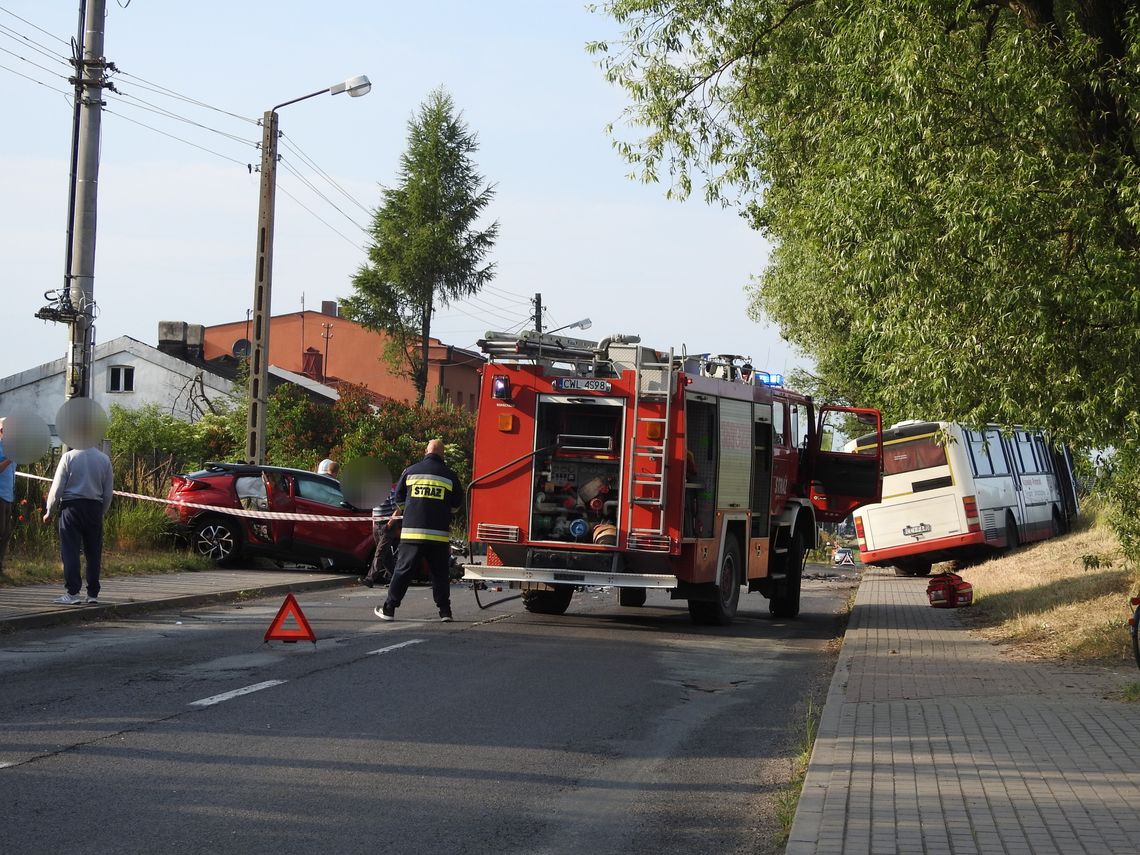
{"x": 538, "y": 313}
{"x": 89, "y": 83}
{"x": 262, "y": 290}
{"x": 263, "y": 269}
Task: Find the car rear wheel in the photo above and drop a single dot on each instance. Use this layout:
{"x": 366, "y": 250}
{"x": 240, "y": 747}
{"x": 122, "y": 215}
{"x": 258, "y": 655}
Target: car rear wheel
{"x": 217, "y": 539}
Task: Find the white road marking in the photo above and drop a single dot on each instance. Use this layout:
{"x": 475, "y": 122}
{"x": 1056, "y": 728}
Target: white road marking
{"x": 396, "y": 646}
{"x": 225, "y": 696}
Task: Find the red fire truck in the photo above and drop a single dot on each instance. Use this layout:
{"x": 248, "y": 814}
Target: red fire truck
{"x": 613, "y": 464}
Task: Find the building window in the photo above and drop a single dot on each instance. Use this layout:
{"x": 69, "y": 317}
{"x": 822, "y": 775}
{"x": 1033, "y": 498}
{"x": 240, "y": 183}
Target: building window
{"x": 122, "y": 379}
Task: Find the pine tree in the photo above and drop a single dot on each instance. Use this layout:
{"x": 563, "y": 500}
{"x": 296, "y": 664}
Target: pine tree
{"x": 426, "y": 248}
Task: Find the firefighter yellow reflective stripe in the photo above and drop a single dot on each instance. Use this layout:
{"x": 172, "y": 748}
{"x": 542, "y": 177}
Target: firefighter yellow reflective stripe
{"x": 424, "y": 534}
{"x": 436, "y": 480}
{"x": 428, "y": 487}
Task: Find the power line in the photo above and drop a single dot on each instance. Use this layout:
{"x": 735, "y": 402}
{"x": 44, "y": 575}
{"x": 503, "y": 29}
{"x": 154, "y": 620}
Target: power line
{"x": 313, "y": 165}
{"x": 33, "y": 26}
{"x": 50, "y": 71}
{"x": 175, "y": 137}
{"x": 159, "y": 89}
{"x": 162, "y": 111}
{"x": 63, "y": 92}
{"x": 17, "y": 36}
{"x": 322, "y": 219}
{"x": 504, "y": 291}
{"x": 497, "y": 306}
{"x": 292, "y": 170}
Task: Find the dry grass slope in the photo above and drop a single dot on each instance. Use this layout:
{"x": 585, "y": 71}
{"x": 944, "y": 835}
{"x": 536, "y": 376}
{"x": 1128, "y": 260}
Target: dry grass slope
{"x": 1064, "y": 599}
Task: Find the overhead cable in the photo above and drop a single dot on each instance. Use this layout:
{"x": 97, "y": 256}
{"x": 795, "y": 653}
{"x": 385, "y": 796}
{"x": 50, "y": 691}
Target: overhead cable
{"x": 33, "y": 26}
{"x": 175, "y": 137}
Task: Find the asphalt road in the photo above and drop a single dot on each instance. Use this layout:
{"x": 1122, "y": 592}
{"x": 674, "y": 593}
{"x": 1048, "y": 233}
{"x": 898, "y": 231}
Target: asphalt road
{"x": 607, "y": 729}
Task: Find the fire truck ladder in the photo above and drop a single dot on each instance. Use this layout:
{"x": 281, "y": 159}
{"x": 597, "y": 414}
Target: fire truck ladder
{"x": 653, "y": 382}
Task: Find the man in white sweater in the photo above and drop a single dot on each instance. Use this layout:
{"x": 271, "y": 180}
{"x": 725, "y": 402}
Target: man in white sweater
{"x": 82, "y": 490}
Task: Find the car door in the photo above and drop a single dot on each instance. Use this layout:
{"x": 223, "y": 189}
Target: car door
{"x": 317, "y": 496}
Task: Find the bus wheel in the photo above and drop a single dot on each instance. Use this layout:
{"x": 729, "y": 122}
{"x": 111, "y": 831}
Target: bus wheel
{"x": 787, "y": 604}
{"x": 722, "y": 610}
{"x": 902, "y": 571}
{"x": 1057, "y": 527}
{"x": 1012, "y": 541}
{"x": 553, "y": 602}
{"x": 631, "y": 596}
{"x": 922, "y": 569}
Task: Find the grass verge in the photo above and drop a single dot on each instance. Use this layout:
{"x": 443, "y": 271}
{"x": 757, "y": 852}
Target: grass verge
{"x": 1064, "y": 599}
{"x": 789, "y": 798}
{"x": 36, "y": 570}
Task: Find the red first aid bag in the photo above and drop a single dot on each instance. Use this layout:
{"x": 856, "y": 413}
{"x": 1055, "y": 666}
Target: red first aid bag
{"x": 949, "y": 591}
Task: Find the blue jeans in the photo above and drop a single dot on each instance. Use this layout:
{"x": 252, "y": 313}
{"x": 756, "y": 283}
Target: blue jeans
{"x": 81, "y": 527}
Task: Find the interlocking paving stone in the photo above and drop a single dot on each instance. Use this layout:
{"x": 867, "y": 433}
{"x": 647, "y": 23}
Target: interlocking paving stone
{"x": 935, "y": 741}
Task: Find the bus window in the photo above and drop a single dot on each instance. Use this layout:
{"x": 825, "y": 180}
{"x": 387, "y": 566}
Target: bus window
{"x": 979, "y": 454}
{"x": 997, "y": 452}
{"x": 1023, "y": 446}
{"x": 1042, "y": 454}
{"x": 912, "y": 455}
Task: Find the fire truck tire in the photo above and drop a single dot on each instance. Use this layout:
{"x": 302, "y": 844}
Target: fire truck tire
{"x": 787, "y": 604}
{"x": 631, "y": 596}
{"x": 548, "y": 602}
{"x": 722, "y": 610}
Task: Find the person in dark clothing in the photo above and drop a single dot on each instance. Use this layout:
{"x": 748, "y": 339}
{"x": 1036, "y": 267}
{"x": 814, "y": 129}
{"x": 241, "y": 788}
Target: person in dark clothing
{"x": 428, "y": 495}
{"x": 386, "y": 533}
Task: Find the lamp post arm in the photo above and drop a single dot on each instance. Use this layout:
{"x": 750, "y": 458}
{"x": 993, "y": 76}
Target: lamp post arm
{"x": 302, "y": 98}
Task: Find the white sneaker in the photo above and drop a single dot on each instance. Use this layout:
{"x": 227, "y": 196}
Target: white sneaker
{"x": 91, "y": 601}
{"x": 68, "y": 600}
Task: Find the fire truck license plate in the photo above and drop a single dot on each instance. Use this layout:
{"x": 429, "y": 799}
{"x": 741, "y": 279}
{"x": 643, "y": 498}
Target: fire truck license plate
{"x": 915, "y": 530}
{"x": 581, "y": 384}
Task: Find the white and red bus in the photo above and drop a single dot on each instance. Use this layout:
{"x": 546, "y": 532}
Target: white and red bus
{"x": 951, "y": 493}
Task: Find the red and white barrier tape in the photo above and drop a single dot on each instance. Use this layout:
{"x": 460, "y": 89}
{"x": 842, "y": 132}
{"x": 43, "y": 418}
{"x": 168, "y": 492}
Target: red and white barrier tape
{"x": 233, "y": 512}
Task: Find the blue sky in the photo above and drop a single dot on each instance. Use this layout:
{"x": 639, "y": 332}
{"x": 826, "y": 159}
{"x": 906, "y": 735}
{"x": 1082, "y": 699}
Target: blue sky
{"x": 177, "y": 222}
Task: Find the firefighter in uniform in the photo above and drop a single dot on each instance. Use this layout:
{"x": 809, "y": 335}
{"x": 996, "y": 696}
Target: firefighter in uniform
{"x": 427, "y": 495}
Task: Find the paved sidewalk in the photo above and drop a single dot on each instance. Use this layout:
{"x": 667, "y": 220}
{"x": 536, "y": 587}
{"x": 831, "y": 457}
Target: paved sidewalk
{"x": 934, "y": 741}
{"x": 29, "y": 606}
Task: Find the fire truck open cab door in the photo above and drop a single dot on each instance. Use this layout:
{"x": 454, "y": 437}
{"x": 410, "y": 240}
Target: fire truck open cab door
{"x": 842, "y": 482}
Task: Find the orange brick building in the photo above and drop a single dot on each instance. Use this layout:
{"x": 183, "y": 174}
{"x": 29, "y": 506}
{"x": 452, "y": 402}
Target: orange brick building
{"x": 332, "y": 349}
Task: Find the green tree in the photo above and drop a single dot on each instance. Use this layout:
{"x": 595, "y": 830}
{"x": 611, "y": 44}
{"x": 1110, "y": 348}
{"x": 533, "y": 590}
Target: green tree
{"x": 951, "y": 187}
{"x": 426, "y": 247}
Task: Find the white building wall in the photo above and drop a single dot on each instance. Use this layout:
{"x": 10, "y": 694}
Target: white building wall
{"x": 173, "y": 385}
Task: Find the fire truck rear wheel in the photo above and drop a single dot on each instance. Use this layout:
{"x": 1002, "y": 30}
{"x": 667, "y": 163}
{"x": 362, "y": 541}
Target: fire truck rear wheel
{"x": 553, "y": 602}
{"x": 722, "y": 610}
{"x": 786, "y": 604}
{"x": 631, "y": 596}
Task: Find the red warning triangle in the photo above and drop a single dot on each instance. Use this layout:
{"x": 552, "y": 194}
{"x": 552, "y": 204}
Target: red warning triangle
{"x": 277, "y": 630}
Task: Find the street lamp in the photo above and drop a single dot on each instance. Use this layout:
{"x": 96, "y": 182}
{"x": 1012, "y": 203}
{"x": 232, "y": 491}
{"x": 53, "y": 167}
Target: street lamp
{"x": 583, "y": 324}
{"x": 263, "y": 270}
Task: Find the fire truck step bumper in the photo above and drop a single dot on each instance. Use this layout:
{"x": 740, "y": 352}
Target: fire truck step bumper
{"x": 485, "y": 573}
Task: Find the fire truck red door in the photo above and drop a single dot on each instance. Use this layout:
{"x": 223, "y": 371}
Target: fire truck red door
{"x": 843, "y": 481}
